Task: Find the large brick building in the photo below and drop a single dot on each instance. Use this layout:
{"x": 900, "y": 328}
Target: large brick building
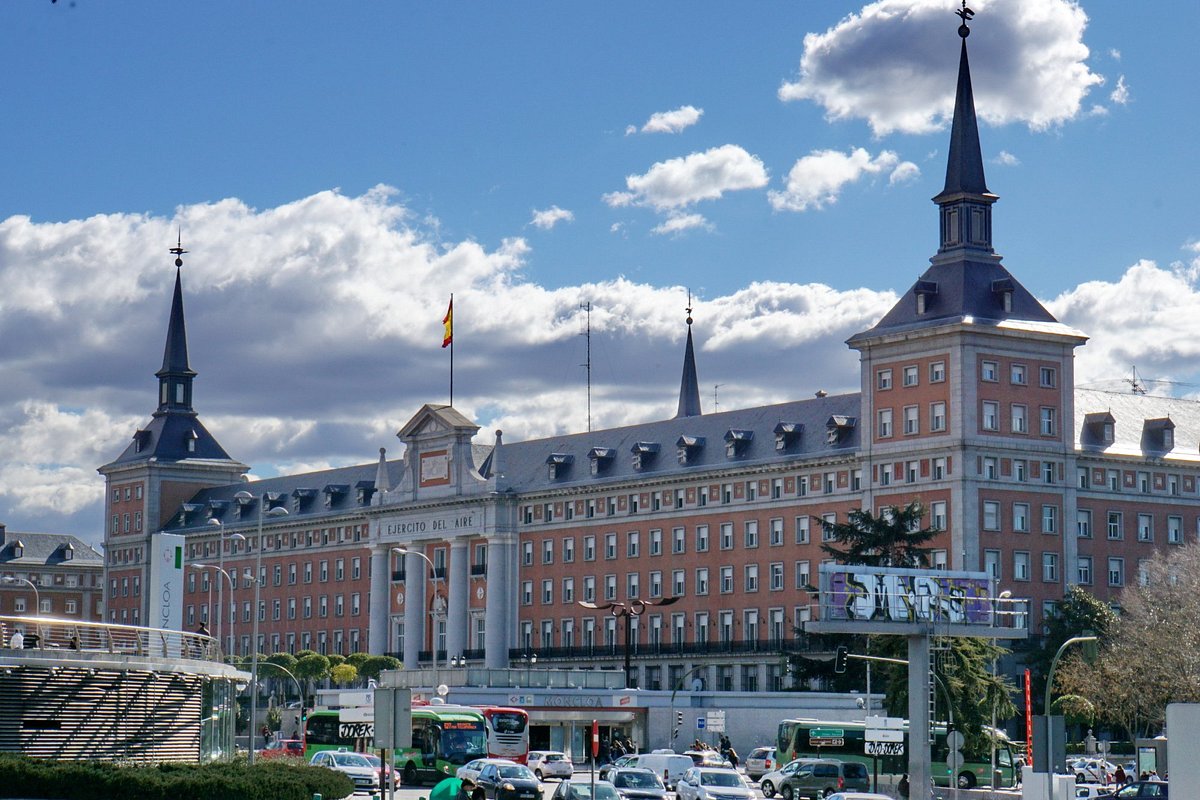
{"x": 968, "y": 404}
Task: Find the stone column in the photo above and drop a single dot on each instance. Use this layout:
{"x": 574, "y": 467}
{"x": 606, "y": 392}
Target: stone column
{"x": 415, "y": 612}
{"x": 379, "y": 604}
{"x": 500, "y": 574}
{"x": 458, "y": 622}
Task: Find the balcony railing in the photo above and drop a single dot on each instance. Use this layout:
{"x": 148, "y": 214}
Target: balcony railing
{"x": 65, "y": 635}
{"x": 730, "y": 647}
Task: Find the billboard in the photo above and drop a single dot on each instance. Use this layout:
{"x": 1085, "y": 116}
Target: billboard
{"x": 903, "y": 595}
{"x": 166, "y": 582}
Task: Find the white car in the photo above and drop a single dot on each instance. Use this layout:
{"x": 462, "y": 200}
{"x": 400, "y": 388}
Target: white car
{"x": 770, "y": 783}
{"x": 760, "y": 761}
{"x": 469, "y": 771}
{"x": 354, "y": 765}
{"x": 712, "y": 783}
{"x": 1088, "y": 791}
{"x": 550, "y": 764}
{"x": 1092, "y": 770}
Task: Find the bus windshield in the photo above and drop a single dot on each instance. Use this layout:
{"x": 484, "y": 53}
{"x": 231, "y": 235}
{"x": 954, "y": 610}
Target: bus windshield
{"x": 508, "y": 721}
{"x": 463, "y": 740}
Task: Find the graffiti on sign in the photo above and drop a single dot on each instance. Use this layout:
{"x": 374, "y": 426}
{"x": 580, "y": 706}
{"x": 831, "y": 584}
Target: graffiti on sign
{"x": 356, "y": 730}
{"x": 889, "y": 595}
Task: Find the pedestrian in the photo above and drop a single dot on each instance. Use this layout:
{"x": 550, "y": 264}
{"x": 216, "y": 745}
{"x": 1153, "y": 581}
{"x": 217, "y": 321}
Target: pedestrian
{"x": 17, "y": 642}
{"x": 1119, "y": 777}
{"x": 902, "y": 786}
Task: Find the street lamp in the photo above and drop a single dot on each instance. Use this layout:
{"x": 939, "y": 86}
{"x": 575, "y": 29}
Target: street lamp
{"x": 220, "y": 585}
{"x": 1046, "y": 707}
{"x": 221, "y": 564}
{"x": 258, "y": 548}
{"x": 628, "y": 609}
{"x": 404, "y": 551}
{"x": 37, "y": 598}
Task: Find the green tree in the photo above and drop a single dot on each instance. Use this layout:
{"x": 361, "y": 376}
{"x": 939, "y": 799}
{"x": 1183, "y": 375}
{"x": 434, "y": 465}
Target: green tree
{"x": 343, "y": 674}
{"x": 335, "y": 659}
{"x": 1078, "y": 613}
{"x": 893, "y": 539}
{"x": 311, "y": 667}
{"x": 373, "y": 665}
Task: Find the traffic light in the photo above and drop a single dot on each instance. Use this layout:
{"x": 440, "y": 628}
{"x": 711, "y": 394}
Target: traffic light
{"x": 678, "y": 719}
{"x": 839, "y": 660}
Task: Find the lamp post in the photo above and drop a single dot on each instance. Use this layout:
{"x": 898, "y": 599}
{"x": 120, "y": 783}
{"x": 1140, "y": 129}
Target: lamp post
{"x": 220, "y": 526}
{"x": 432, "y": 605}
{"x": 229, "y": 578}
{"x": 37, "y": 598}
{"x": 1046, "y": 706}
{"x": 628, "y": 609}
{"x": 258, "y": 548}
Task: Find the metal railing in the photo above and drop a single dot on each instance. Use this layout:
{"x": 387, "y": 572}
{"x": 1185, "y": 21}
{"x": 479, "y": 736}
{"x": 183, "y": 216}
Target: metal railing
{"x": 66, "y": 635}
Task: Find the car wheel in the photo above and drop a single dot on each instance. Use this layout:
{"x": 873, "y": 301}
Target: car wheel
{"x": 410, "y": 774}
{"x": 825, "y": 793}
{"x": 787, "y": 793}
{"x": 767, "y": 789}
{"x": 539, "y": 774}
{"x": 966, "y": 780}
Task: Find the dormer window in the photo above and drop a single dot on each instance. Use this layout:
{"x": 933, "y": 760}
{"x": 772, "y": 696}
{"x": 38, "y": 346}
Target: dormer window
{"x": 333, "y": 492}
{"x": 601, "y": 458}
{"x": 788, "y": 435}
{"x": 18, "y": 549}
{"x": 191, "y": 436}
{"x": 925, "y": 292}
{"x": 1003, "y": 289}
{"x": 644, "y": 454}
{"x": 141, "y": 440}
{"x": 1099, "y": 428}
{"x": 1158, "y": 434}
{"x": 688, "y": 448}
{"x": 838, "y": 428}
{"x": 301, "y": 498}
{"x": 68, "y": 552}
{"x": 558, "y": 465}
{"x": 737, "y": 442}
{"x": 363, "y": 492}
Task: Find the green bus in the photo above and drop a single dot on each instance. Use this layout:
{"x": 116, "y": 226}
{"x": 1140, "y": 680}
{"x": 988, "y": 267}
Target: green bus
{"x": 846, "y": 741}
{"x": 444, "y": 738}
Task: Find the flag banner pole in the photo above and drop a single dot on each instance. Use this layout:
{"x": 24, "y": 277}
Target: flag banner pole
{"x": 448, "y": 341}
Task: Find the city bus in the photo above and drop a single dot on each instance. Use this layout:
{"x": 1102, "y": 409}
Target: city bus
{"x": 507, "y": 732}
{"x": 444, "y": 738}
{"x": 846, "y": 741}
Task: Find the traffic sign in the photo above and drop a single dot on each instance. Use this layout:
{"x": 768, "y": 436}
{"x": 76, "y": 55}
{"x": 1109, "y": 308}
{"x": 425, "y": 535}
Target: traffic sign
{"x": 826, "y": 733}
{"x": 700, "y": 723}
{"x": 884, "y": 748}
{"x": 883, "y": 735}
{"x": 875, "y": 721}
{"x": 715, "y": 721}
{"x": 827, "y": 741}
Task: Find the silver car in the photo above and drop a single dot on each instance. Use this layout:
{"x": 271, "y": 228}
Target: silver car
{"x": 712, "y": 783}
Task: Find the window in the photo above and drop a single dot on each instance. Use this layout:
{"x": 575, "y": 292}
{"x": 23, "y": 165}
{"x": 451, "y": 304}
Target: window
{"x": 1020, "y": 423}
{"x": 589, "y": 548}
{"x": 1021, "y": 517}
{"x": 632, "y": 544}
{"x": 656, "y": 542}
{"x": 751, "y": 490}
{"x": 937, "y": 516}
{"x": 937, "y": 416}
{"x": 1143, "y": 481}
{"x": 1174, "y": 530}
{"x": 939, "y": 469}
{"x": 527, "y": 553}
{"x": 991, "y": 563}
{"x": 1017, "y": 375}
{"x": 610, "y": 587}
{"x": 1083, "y": 523}
{"x": 1049, "y": 567}
{"x": 1020, "y": 470}
{"x": 885, "y": 474}
{"x": 885, "y": 423}
{"x": 547, "y": 591}
{"x": 883, "y": 379}
{"x": 830, "y": 482}
{"x": 1083, "y": 477}
{"x": 1049, "y": 471}
{"x": 989, "y": 371}
{"x": 1145, "y": 527}
{"x": 990, "y": 469}
{"x": 677, "y": 582}
{"x": 828, "y": 521}
{"x": 610, "y": 546}
{"x": 548, "y": 551}
{"x": 632, "y": 585}
{"x": 1114, "y": 480}
{"x": 802, "y": 530}
{"x": 912, "y": 423}
{"x": 1083, "y": 570}
{"x": 856, "y": 480}
{"x": 991, "y": 413}
{"x": 1020, "y": 566}
{"x": 1048, "y": 421}
{"x": 776, "y": 576}
{"x": 678, "y": 540}
{"x": 1116, "y": 572}
{"x": 937, "y": 372}
{"x": 1047, "y": 377}
{"x": 751, "y": 533}
{"x": 1115, "y": 525}
{"x": 568, "y": 550}
{"x": 776, "y": 532}
{"x": 937, "y": 559}
{"x": 701, "y": 538}
{"x": 803, "y": 579}
{"x": 589, "y": 588}
{"x": 912, "y": 471}
{"x": 910, "y": 375}
{"x": 1049, "y": 519}
{"x": 991, "y": 515}
{"x": 750, "y": 577}
{"x": 526, "y": 593}
{"x": 802, "y": 486}
{"x": 702, "y": 580}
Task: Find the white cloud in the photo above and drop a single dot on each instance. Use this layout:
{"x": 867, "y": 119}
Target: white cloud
{"x": 1120, "y": 93}
{"x": 678, "y": 223}
{"x": 893, "y": 65}
{"x": 549, "y": 217}
{"x": 1114, "y": 54}
{"x": 670, "y": 121}
{"x": 1006, "y": 159}
{"x": 682, "y": 181}
{"x": 818, "y": 178}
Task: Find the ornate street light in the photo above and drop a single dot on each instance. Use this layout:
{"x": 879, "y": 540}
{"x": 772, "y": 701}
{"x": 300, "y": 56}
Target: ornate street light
{"x": 432, "y": 603}
{"x": 628, "y": 609}
{"x": 221, "y": 564}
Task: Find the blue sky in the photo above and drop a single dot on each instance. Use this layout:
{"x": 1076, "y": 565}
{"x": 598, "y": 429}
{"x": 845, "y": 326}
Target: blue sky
{"x": 339, "y": 169}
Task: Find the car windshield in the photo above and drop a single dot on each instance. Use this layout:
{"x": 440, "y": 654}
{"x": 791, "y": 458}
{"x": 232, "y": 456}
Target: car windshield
{"x": 350, "y": 760}
{"x": 720, "y": 779}
{"x": 517, "y": 771}
{"x": 604, "y": 791}
{"x": 375, "y": 762}
{"x": 637, "y": 780}
{"x": 554, "y": 757}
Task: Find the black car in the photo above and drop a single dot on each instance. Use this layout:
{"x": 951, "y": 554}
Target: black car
{"x": 634, "y": 783}
{"x": 1142, "y": 789}
{"x": 506, "y": 782}
{"x": 582, "y": 790}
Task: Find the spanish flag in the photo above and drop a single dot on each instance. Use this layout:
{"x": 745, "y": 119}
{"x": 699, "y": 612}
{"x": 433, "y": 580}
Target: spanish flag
{"x": 448, "y": 323}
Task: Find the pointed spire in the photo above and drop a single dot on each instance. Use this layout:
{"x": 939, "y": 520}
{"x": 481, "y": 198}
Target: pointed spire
{"x": 175, "y": 376}
{"x": 383, "y": 483}
{"x": 689, "y": 386}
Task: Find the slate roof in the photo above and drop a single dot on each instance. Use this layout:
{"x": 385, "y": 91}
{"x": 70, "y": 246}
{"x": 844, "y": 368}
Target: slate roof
{"x": 165, "y": 438}
{"x": 1130, "y": 413}
{"x": 46, "y": 549}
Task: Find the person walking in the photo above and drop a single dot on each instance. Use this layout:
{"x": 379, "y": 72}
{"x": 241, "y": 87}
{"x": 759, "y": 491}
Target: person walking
{"x": 17, "y": 642}
{"x": 902, "y": 787}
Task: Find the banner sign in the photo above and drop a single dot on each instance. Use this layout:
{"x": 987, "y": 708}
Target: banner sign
{"x": 889, "y": 594}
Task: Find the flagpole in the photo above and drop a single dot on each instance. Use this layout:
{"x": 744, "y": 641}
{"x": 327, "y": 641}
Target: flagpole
{"x": 452, "y": 348}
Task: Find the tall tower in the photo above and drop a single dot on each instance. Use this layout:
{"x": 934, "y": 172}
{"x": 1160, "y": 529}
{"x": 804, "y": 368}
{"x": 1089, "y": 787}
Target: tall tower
{"x": 689, "y": 383}
{"x": 969, "y": 377}
{"x": 168, "y": 461}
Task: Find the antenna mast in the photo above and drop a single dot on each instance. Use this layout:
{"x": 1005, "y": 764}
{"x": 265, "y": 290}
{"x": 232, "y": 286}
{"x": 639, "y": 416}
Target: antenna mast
{"x": 587, "y": 306}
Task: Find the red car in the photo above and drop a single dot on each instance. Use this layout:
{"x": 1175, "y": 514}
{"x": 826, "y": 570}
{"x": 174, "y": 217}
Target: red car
{"x": 284, "y": 747}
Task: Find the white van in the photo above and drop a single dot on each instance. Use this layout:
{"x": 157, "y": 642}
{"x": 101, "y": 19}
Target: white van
{"x": 667, "y": 765}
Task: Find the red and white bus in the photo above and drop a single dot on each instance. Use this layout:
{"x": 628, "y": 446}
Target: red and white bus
{"x": 507, "y": 732}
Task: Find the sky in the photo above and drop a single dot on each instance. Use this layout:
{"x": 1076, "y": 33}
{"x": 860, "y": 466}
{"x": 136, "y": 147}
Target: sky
{"x": 336, "y": 171}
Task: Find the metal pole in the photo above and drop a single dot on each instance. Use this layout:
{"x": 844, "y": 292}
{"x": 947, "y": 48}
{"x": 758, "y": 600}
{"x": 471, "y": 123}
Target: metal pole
{"x": 1046, "y": 706}
{"x": 220, "y": 586}
{"x": 258, "y": 547}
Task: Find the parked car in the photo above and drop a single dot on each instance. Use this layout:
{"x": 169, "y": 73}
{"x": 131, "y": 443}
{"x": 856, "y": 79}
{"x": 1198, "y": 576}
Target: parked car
{"x": 636, "y": 783}
{"x": 667, "y": 764}
{"x": 708, "y": 758}
{"x": 769, "y": 784}
{"x": 382, "y": 769}
{"x": 858, "y": 796}
{"x": 823, "y": 777}
{"x": 760, "y": 761}
{"x": 582, "y": 790}
{"x": 283, "y": 747}
{"x": 1088, "y": 791}
{"x": 469, "y": 771}
{"x": 622, "y": 761}
{"x": 712, "y": 783}
{"x": 506, "y": 782}
{"x": 550, "y": 764}
{"x": 354, "y": 765}
{"x": 1092, "y": 770}
{"x": 1141, "y": 789}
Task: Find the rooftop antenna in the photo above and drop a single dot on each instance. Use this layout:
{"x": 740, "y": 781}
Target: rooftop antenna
{"x": 716, "y": 386}
{"x": 587, "y": 307}
{"x": 1135, "y": 384}
{"x": 178, "y": 250}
